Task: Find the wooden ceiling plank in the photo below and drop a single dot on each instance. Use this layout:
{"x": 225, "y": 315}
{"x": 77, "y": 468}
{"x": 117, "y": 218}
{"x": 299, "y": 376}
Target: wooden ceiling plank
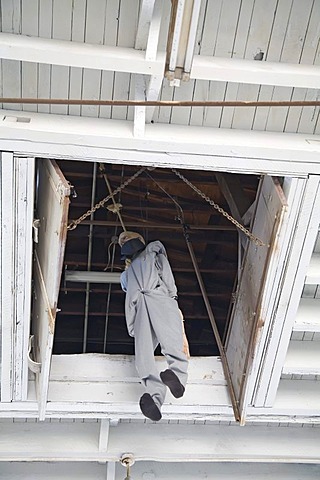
{"x": 110, "y": 38}
{"x": 29, "y": 73}
{"x": 293, "y": 51}
{"x": 44, "y": 70}
{"x": 61, "y": 31}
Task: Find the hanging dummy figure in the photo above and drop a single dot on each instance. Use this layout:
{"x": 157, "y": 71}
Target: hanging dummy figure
{"x": 153, "y": 317}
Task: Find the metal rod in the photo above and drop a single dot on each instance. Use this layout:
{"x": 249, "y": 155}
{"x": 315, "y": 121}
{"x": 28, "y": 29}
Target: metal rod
{"x": 86, "y": 309}
{"x": 166, "y": 226}
{"x": 215, "y": 329}
{"x": 163, "y": 103}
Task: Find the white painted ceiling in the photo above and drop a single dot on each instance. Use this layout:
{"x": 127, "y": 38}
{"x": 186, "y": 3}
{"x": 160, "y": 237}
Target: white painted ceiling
{"x": 285, "y": 31}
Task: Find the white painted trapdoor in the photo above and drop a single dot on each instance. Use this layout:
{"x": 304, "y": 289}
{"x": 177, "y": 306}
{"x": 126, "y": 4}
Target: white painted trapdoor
{"x": 247, "y": 320}
{"x": 52, "y": 205}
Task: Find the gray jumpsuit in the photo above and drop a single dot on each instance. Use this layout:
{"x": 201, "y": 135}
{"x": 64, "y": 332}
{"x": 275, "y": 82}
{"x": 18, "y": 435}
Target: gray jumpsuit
{"x": 153, "y": 317}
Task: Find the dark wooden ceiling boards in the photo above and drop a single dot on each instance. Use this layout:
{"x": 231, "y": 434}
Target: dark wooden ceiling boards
{"x": 146, "y": 209}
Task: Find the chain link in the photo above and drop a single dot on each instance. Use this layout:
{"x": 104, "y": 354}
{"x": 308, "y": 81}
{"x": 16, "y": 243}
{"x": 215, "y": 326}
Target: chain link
{"x": 252, "y": 237}
{"x": 72, "y": 225}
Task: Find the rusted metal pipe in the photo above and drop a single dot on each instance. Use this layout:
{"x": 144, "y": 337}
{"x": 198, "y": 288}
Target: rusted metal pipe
{"x": 163, "y": 103}
{"x": 214, "y": 327}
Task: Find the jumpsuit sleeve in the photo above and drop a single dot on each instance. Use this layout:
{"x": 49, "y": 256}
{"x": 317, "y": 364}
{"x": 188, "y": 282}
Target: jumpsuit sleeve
{"x": 166, "y": 272}
{"x": 123, "y": 281}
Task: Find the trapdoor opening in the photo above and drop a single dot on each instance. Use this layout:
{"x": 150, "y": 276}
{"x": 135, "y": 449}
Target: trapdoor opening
{"x": 86, "y": 313}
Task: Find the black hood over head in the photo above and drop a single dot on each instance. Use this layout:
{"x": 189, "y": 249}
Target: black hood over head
{"x": 131, "y": 248}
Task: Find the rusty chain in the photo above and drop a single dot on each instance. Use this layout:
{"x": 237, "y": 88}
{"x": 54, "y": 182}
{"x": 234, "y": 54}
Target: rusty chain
{"x": 252, "y": 237}
{"x": 72, "y": 225}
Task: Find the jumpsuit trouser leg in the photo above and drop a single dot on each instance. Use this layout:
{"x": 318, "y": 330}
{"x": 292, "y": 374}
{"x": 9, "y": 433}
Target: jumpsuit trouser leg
{"x": 146, "y": 342}
{"x": 157, "y": 321}
{"x": 167, "y": 323}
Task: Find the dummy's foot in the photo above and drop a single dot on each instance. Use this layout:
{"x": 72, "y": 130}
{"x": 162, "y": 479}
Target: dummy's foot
{"x": 149, "y": 408}
{"x": 170, "y": 379}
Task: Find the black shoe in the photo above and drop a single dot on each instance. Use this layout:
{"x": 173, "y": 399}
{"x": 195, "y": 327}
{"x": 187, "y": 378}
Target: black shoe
{"x": 170, "y": 379}
{"x": 149, "y": 408}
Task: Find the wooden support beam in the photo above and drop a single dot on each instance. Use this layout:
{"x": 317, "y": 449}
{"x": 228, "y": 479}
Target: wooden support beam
{"x": 91, "y": 139}
{"x": 104, "y": 434}
{"x": 308, "y": 316}
{"x": 73, "y": 441}
{"x": 139, "y": 119}
{"x": 236, "y": 198}
{"x": 145, "y": 16}
{"x": 234, "y": 194}
{"x": 303, "y": 358}
{"x": 76, "y": 54}
{"x": 255, "y": 72}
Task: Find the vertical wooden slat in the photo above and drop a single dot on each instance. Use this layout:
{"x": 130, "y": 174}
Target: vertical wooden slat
{"x": 7, "y": 273}
{"x": 272, "y": 53}
{"x": 291, "y": 52}
{"x": 126, "y": 38}
{"x": 110, "y": 38}
{"x": 29, "y": 74}
{"x": 94, "y": 33}
{"x": 259, "y": 31}
{"x": 225, "y": 48}
{"x": 44, "y": 71}
{"x": 61, "y": 30}
{"x": 23, "y": 267}
{"x": 11, "y": 70}
{"x": 77, "y": 35}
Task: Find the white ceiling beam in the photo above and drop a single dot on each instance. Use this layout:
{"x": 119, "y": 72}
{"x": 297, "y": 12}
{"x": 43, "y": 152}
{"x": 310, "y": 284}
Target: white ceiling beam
{"x": 154, "y": 83}
{"x": 104, "y": 434}
{"x": 155, "y": 470}
{"x": 192, "y": 35}
{"x": 145, "y": 16}
{"x": 206, "y": 148}
{"x": 152, "y": 93}
{"x": 154, "y": 32}
{"x": 102, "y": 57}
{"x": 111, "y": 471}
{"x": 139, "y": 118}
{"x": 255, "y": 72}
{"x": 76, "y": 54}
{"x": 76, "y": 441}
{"x": 176, "y": 34}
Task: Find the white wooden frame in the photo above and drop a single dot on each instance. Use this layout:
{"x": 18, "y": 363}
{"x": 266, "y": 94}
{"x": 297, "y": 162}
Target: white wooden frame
{"x": 299, "y": 253}
{"x": 23, "y": 272}
{"x": 293, "y": 189}
{"x": 77, "y": 441}
{"x": 52, "y": 208}
{"x": 7, "y": 274}
{"x": 250, "y": 313}
{"x": 204, "y": 148}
